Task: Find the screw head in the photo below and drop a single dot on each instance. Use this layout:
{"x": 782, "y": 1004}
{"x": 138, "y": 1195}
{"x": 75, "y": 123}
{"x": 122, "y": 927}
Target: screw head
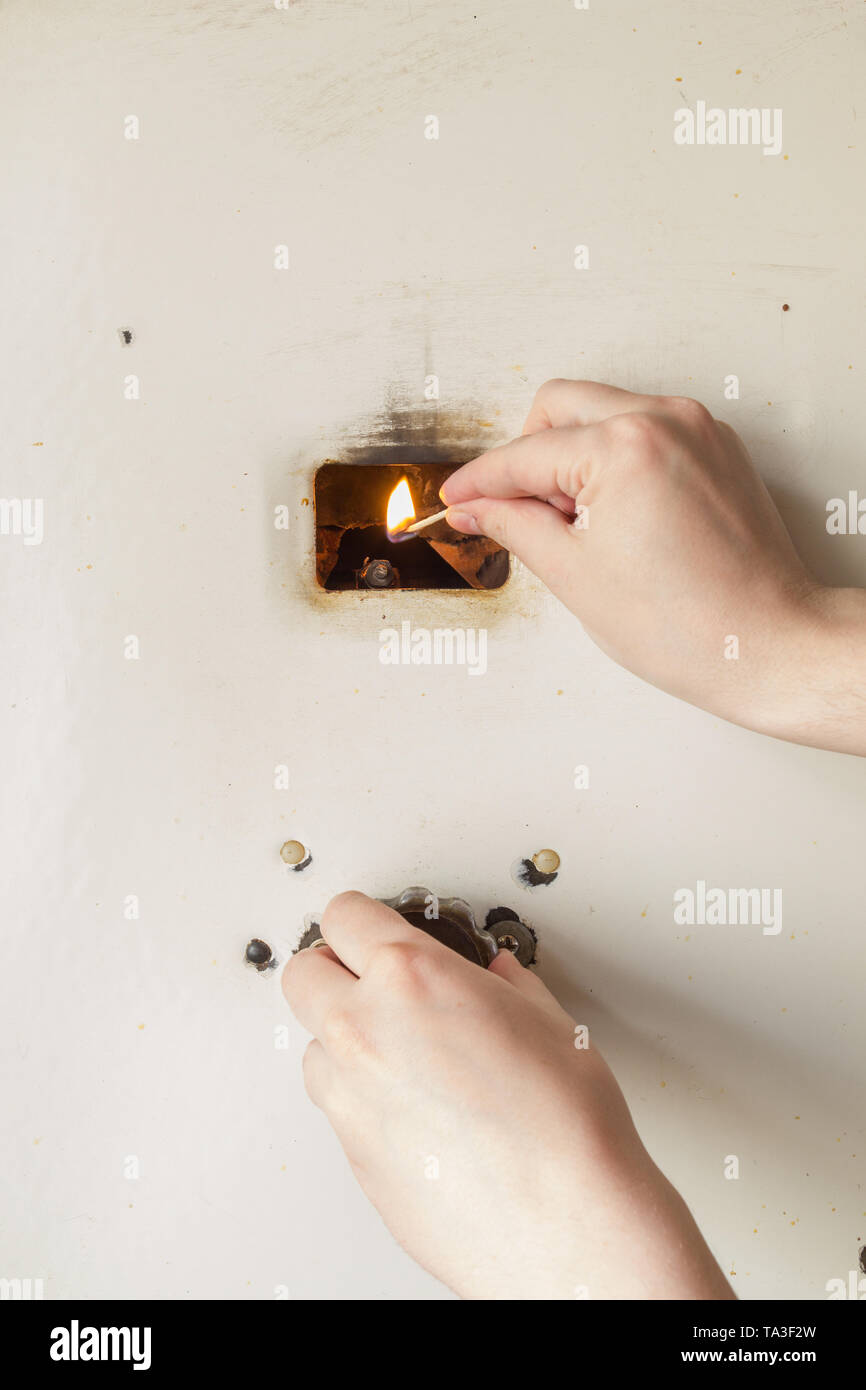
{"x": 258, "y": 952}
{"x": 546, "y": 861}
{"x": 292, "y": 852}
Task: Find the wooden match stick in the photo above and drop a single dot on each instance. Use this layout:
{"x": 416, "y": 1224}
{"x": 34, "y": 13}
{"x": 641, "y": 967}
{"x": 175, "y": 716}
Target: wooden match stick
{"x": 428, "y": 521}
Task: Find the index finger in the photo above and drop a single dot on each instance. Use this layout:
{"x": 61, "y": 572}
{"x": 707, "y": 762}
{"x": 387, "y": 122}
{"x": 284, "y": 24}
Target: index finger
{"x": 355, "y": 926}
{"x": 554, "y": 463}
{"x": 315, "y": 982}
{"x": 562, "y": 402}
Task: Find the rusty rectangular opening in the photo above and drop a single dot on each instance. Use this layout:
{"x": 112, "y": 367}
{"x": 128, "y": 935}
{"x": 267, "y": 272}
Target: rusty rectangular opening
{"x": 355, "y": 551}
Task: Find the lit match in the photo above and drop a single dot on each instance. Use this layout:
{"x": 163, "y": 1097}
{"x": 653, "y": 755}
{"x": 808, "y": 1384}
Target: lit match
{"x": 427, "y": 521}
{"x": 401, "y": 512}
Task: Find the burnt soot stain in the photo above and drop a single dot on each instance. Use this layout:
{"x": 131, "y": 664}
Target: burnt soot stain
{"x": 500, "y": 914}
{"x": 312, "y": 933}
{"x": 530, "y": 876}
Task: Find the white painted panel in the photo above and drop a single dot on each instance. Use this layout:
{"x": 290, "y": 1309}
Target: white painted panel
{"x": 154, "y": 778}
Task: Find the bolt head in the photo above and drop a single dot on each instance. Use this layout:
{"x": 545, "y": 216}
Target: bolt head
{"x": 378, "y": 574}
{"x": 292, "y": 852}
{"x": 508, "y": 943}
{"x": 258, "y": 952}
{"x": 546, "y": 861}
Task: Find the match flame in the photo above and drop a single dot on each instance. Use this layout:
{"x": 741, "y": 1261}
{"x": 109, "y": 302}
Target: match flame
{"x": 401, "y": 509}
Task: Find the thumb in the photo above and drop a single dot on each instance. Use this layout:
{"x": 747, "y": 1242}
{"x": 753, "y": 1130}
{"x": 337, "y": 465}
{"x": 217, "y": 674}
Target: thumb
{"x": 525, "y": 982}
{"x": 536, "y": 532}
{"x": 517, "y": 975}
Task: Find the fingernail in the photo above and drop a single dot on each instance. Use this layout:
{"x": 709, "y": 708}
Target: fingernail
{"x": 462, "y": 521}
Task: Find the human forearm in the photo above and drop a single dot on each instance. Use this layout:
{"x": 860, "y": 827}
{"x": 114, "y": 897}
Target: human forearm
{"x": 523, "y": 1180}
{"x": 826, "y": 701}
{"x": 647, "y": 518}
